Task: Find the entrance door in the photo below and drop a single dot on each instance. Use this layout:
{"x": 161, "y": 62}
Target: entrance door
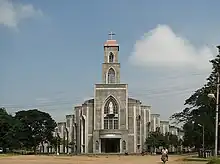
{"x": 110, "y": 145}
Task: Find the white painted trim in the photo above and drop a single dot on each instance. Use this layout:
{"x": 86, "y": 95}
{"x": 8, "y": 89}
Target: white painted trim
{"x": 120, "y": 148}
{"x": 110, "y": 136}
{"x": 100, "y": 145}
{"x": 164, "y": 129}
{"x": 141, "y": 130}
{"x": 149, "y": 118}
{"x": 102, "y": 115}
{"x": 145, "y": 124}
{"x": 110, "y": 88}
{"x": 149, "y": 115}
{"x": 87, "y": 129}
{"x": 126, "y": 101}
{"x": 135, "y": 132}
{"x": 130, "y": 134}
{"x": 94, "y": 116}
{"x": 139, "y": 110}
{"x": 82, "y": 129}
{"x": 106, "y": 77}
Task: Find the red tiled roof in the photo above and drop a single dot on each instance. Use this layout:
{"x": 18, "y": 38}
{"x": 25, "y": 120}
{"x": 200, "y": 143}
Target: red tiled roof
{"x": 111, "y": 43}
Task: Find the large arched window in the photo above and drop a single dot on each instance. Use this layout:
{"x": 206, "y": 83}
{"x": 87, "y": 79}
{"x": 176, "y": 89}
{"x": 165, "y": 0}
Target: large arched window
{"x": 111, "y": 76}
{"x": 111, "y": 114}
{"x": 111, "y": 57}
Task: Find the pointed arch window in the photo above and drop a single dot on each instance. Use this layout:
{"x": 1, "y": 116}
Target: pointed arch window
{"x": 111, "y": 57}
{"x": 111, "y": 76}
{"x": 114, "y": 105}
{"x": 111, "y": 121}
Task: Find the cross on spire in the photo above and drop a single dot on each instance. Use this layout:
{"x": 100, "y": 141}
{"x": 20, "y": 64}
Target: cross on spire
{"x": 111, "y": 34}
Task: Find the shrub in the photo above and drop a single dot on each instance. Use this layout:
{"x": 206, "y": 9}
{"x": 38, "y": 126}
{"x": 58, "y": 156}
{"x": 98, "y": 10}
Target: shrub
{"x": 214, "y": 161}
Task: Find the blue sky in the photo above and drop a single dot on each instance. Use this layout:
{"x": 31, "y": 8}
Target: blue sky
{"x": 51, "y": 51}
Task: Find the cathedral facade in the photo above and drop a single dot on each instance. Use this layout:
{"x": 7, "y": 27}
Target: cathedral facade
{"x": 111, "y": 122}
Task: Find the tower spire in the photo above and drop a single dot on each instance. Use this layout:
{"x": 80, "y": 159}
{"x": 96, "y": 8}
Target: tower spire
{"x": 111, "y": 35}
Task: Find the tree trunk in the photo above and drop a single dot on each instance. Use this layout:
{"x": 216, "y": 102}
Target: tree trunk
{"x": 35, "y": 150}
{"x": 67, "y": 144}
{"x": 42, "y": 144}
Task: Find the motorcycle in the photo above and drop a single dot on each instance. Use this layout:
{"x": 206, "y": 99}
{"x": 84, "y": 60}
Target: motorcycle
{"x": 164, "y": 158}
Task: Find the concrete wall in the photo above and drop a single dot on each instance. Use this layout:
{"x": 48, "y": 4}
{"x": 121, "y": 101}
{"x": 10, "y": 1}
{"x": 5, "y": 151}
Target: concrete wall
{"x": 155, "y": 121}
{"x": 164, "y": 127}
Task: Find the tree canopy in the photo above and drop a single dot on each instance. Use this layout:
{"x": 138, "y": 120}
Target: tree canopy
{"x": 200, "y": 110}
{"x": 157, "y": 139}
{"x": 7, "y": 127}
{"x": 27, "y": 129}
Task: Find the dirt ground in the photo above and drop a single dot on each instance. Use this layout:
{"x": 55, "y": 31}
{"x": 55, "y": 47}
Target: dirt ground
{"x": 91, "y": 160}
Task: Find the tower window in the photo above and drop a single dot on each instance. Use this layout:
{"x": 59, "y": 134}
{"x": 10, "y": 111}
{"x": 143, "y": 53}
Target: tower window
{"x": 111, "y": 76}
{"x": 111, "y": 57}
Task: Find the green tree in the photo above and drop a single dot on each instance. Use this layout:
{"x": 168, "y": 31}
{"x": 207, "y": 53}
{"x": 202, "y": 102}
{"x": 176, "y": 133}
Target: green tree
{"x": 56, "y": 142}
{"x": 8, "y": 130}
{"x": 36, "y": 127}
{"x": 173, "y": 141}
{"x": 156, "y": 139}
{"x": 200, "y": 109}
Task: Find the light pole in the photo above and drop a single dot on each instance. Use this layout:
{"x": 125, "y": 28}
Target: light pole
{"x": 211, "y": 95}
{"x": 203, "y": 137}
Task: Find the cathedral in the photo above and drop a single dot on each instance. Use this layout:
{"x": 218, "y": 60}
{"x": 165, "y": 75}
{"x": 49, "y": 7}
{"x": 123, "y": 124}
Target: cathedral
{"x": 111, "y": 122}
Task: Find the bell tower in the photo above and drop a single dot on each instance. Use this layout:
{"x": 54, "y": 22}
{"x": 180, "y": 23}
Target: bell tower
{"x": 111, "y": 65}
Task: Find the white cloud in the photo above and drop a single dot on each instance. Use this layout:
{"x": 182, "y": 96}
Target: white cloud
{"x": 11, "y": 14}
{"x": 173, "y": 69}
{"x": 162, "y": 47}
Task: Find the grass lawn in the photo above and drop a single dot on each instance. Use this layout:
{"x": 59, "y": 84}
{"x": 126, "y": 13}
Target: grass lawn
{"x": 7, "y": 155}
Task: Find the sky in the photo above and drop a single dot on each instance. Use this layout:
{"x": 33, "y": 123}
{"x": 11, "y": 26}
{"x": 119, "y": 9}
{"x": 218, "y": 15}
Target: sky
{"x": 51, "y": 52}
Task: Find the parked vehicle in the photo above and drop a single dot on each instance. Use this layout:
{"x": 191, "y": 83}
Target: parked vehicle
{"x": 1, "y": 150}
